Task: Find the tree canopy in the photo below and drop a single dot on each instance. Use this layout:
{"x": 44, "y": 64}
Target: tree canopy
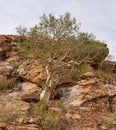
{"x": 60, "y": 48}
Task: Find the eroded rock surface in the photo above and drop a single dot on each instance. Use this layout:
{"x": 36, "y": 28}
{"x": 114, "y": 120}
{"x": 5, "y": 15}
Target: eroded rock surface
{"x": 16, "y": 126}
{"x": 16, "y": 102}
{"x": 88, "y": 89}
{"x": 32, "y": 72}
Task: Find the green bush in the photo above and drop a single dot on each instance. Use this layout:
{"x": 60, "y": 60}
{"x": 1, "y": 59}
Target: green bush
{"x": 15, "y": 63}
{"x": 51, "y": 116}
{"x": 5, "y": 83}
{"x": 84, "y": 68}
{"x": 105, "y": 72}
{"x": 110, "y": 121}
{"x": 7, "y": 114}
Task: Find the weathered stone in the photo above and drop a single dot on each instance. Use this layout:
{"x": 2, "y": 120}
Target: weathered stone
{"x": 86, "y": 90}
{"x": 6, "y": 126}
{"x": 30, "y": 120}
{"x": 2, "y": 125}
{"x": 29, "y": 88}
{"x": 33, "y": 72}
{"x": 88, "y": 82}
{"x": 72, "y": 114}
{"x": 12, "y": 38}
{"x": 13, "y": 102}
{"x": 5, "y": 68}
{"x": 11, "y": 106}
{"x": 88, "y": 75}
{"x": 33, "y": 97}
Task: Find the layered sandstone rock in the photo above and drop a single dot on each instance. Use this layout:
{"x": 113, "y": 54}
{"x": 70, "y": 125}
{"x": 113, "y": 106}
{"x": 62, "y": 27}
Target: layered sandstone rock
{"x": 15, "y": 126}
{"x": 6, "y": 44}
{"x": 88, "y": 89}
{"x": 11, "y": 38}
{"x": 33, "y": 72}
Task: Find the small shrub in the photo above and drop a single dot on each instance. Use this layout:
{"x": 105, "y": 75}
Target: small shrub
{"x": 7, "y": 114}
{"x": 51, "y": 117}
{"x": 105, "y": 73}
{"x": 110, "y": 121}
{"x": 15, "y": 63}
{"x": 84, "y": 68}
{"x": 5, "y": 83}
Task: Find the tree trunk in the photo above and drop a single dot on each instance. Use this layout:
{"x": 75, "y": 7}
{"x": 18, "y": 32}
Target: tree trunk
{"x": 45, "y": 95}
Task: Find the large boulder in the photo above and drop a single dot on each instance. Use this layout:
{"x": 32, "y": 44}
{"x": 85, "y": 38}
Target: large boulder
{"x": 32, "y": 71}
{"x": 14, "y": 103}
{"x": 31, "y": 92}
{"x": 89, "y": 89}
{"x": 11, "y": 106}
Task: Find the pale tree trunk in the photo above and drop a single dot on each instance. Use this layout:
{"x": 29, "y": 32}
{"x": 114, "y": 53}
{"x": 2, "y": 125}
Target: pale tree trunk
{"x": 51, "y": 83}
{"x": 45, "y": 95}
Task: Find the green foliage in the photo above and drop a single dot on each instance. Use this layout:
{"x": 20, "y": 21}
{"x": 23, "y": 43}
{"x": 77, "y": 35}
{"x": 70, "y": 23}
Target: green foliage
{"x": 52, "y": 27}
{"x": 15, "y": 63}
{"x": 96, "y": 50}
{"x": 34, "y": 34}
{"x": 24, "y": 50}
{"x": 57, "y": 44}
{"x": 7, "y": 114}
{"x": 21, "y": 30}
{"x": 61, "y": 35}
{"x": 58, "y": 28}
{"x": 104, "y": 71}
{"x": 51, "y": 116}
{"x": 5, "y": 83}
{"x": 110, "y": 121}
{"x": 84, "y": 68}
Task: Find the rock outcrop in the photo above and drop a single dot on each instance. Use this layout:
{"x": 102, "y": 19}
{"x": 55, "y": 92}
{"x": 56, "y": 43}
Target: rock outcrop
{"x": 89, "y": 89}
{"x": 11, "y": 38}
{"x": 18, "y": 126}
{"x": 6, "y": 44}
{"x": 33, "y": 72}
{"x": 86, "y": 102}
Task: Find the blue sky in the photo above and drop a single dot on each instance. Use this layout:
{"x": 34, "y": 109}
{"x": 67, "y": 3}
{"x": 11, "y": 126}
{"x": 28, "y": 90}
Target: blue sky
{"x": 96, "y": 16}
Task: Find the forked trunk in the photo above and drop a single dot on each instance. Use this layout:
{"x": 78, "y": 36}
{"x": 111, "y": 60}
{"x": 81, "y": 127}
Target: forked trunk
{"x": 45, "y": 95}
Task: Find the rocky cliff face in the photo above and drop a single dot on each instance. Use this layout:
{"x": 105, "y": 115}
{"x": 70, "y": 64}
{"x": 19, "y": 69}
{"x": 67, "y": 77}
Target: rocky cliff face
{"x": 89, "y": 103}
